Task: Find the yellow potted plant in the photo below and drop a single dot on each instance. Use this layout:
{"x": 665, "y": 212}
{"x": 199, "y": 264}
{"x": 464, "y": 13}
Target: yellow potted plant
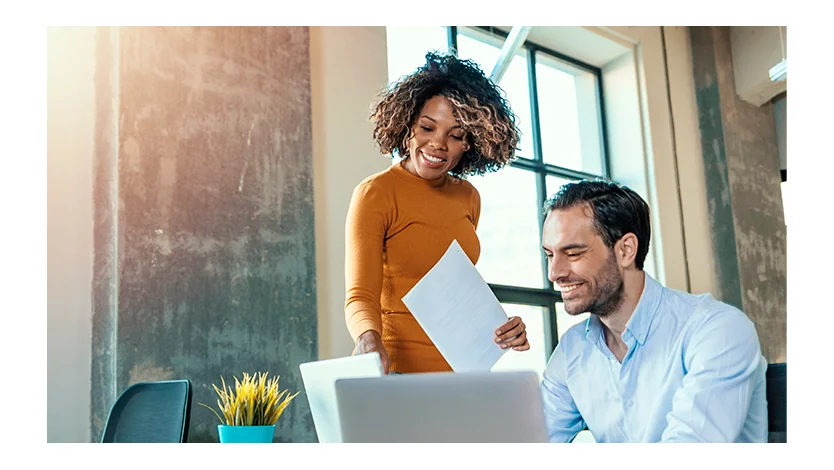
{"x": 249, "y": 411}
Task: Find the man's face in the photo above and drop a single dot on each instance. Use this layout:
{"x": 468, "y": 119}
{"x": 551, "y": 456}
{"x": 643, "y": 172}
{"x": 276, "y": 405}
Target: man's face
{"x": 580, "y": 263}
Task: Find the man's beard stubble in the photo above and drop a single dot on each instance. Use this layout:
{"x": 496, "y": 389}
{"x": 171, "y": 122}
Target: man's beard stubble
{"x": 608, "y": 296}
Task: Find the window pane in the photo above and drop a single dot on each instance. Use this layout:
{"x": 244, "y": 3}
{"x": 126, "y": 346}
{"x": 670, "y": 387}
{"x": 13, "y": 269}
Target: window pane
{"x": 509, "y": 228}
{"x": 536, "y": 357}
{"x": 485, "y": 49}
{"x": 564, "y": 320}
{"x": 569, "y": 113}
{"x": 553, "y": 183}
{"x": 408, "y": 45}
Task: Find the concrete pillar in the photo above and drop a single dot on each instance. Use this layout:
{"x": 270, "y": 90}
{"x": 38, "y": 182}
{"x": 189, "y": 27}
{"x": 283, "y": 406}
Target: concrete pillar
{"x": 741, "y": 168}
{"x": 204, "y": 223}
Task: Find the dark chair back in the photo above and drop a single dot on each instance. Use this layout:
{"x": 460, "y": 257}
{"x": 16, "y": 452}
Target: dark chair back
{"x": 777, "y": 386}
{"x": 150, "y": 412}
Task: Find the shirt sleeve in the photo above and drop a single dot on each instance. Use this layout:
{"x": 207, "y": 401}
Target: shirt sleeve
{"x": 561, "y": 416}
{"x": 365, "y": 228}
{"x": 476, "y": 206}
{"x": 722, "y": 362}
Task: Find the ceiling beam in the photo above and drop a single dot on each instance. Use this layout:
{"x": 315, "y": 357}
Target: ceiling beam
{"x": 511, "y": 47}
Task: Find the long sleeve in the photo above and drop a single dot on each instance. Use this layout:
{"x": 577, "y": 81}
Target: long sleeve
{"x": 561, "y": 415}
{"x": 476, "y": 207}
{"x": 722, "y": 362}
{"x": 365, "y": 229}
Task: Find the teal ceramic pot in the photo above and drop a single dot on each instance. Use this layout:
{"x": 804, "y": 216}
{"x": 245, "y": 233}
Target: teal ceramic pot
{"x": 245, "y": 434}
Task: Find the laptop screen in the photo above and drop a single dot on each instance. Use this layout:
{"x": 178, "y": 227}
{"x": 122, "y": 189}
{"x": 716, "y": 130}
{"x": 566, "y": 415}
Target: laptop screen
{"x": 442, "y": 407}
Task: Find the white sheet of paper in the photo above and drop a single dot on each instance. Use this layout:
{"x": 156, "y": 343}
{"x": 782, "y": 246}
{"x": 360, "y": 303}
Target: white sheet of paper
{"x": 459, "y": 312}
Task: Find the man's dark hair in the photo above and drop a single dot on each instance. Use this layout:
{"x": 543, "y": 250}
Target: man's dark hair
{"x": 617, "y": 210}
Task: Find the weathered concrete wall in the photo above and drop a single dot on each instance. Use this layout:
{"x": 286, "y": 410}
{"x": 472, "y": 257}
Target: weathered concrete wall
{"x": 104, "y": 388}
{"x": 741, "y": 166}
{"x": 215, "y": 232}
{"x": 716, "y": 178}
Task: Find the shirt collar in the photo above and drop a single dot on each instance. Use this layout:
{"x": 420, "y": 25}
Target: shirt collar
{"x": 641, "y": 319}
{"x": 593, "y": 329}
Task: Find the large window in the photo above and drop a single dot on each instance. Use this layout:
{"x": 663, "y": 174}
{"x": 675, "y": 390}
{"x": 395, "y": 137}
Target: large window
{"x": 558, "y": 102}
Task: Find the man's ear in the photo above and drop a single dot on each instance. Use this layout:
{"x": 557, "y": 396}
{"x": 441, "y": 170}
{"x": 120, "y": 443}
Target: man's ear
{"x": 626, "y": 250}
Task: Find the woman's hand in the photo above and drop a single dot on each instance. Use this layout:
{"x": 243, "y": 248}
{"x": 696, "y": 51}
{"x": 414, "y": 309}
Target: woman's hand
{"x": 512, "y": 334}
{"x": 369, "y": 342}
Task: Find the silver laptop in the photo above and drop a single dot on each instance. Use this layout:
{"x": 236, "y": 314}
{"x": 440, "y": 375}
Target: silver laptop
{"x": 319, "y": 379}
{"x": 442, "y": 407}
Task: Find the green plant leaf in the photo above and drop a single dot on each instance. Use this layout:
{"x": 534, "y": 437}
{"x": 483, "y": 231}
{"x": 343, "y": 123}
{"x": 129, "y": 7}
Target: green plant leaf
{"x": 256, "y": 400}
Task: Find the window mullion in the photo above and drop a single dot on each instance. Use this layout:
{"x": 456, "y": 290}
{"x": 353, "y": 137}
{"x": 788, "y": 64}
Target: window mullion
{"x": 551, "y": 329}
{"x": 541, "y": 183}
{"x": 552, "y": 332}
{"x": 452, "y": 35}
{"x": 606, "y": 166}
{"x": 534, "y": 103}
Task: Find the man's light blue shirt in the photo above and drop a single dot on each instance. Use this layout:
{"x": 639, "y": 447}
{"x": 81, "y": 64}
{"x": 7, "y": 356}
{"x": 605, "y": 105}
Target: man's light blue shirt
{"x": 693, "y": 372}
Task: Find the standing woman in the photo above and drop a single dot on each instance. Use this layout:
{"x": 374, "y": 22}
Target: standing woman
{"x": 447, "y": 121}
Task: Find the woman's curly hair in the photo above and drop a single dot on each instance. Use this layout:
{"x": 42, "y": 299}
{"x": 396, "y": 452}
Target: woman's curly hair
{"x": 478, "y": 105}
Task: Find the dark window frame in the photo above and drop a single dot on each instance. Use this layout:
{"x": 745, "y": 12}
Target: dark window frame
{"x": 547, "y": 296}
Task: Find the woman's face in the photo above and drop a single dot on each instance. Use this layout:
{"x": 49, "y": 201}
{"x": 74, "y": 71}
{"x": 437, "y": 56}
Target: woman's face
{"x": 437, "y": 141}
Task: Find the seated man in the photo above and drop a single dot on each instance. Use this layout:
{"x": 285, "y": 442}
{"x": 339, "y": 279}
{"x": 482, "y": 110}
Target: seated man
{"x": 651, "y": 364}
